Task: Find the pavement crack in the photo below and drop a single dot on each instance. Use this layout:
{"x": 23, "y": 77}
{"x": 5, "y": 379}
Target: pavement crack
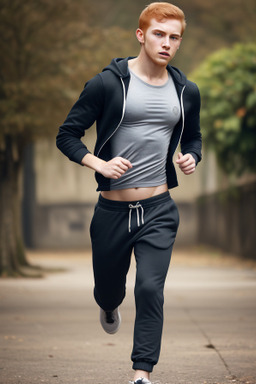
{"x": 209, "y": 342}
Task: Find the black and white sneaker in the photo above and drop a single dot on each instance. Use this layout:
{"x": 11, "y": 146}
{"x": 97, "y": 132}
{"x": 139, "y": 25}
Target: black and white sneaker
{"x": 110, "y": 320}
{"x": 142, "y": 380}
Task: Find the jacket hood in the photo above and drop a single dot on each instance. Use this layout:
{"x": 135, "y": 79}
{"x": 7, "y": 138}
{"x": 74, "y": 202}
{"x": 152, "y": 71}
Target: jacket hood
{"x": 119, "y": 66}
{"x": 177, "y": 75}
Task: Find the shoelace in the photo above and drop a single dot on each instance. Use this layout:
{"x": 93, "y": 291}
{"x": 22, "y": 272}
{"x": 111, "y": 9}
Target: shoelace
{"x": 137, "y": 206}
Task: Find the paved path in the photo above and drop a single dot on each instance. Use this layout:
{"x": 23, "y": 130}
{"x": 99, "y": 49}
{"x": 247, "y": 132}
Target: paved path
{"x": 50, "y": 333}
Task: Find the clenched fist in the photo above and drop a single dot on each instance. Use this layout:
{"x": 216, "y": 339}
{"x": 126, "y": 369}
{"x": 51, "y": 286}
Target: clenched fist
{"x": 186, "y": 163}
{"x": 115, "y": 168}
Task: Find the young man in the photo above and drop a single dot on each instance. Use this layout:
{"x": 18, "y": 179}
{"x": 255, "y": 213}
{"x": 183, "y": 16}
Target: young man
{"x": 143, "y": 108}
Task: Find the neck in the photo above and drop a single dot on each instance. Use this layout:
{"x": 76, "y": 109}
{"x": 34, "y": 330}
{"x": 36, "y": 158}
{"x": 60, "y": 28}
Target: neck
{"x": 148, "y": 70}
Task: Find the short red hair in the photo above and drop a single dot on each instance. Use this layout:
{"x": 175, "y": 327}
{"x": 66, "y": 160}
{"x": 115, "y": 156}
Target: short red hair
{"x": 161, "y": 11}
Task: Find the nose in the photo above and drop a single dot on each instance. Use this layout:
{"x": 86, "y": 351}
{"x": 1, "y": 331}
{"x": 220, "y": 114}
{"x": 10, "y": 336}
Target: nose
{"x": 166, "y": 42}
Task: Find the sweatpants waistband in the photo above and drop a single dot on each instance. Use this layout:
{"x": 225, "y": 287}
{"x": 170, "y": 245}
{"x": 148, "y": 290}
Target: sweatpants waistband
{"x": 113, "y": 205}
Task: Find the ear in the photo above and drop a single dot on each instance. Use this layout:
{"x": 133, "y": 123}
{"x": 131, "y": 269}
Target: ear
{"x": 140, "y": 35}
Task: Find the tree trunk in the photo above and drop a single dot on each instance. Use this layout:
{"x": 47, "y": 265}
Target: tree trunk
{"x": 12, "y": 253}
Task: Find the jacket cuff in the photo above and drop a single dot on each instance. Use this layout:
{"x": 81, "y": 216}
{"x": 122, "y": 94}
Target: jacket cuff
{"x": 196, "y": 157}
{"x": 79, "y": 155}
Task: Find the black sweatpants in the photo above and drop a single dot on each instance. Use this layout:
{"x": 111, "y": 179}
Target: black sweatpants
{"x": 149, "y": 228}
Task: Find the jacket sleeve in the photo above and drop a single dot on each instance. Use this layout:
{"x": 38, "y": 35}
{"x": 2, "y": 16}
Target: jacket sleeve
{"x": 191, "y": 140}
{"x": 81, "y": 117}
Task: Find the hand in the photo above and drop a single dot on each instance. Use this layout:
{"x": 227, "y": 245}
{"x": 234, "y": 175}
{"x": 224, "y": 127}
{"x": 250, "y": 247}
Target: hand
{"x": 115, "y": 168}
{"x": 186, "y": 163}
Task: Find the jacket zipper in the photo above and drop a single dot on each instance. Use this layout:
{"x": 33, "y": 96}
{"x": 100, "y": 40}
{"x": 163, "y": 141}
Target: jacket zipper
{"x": 124, "y": 104}
{"x": 183, "y": 116}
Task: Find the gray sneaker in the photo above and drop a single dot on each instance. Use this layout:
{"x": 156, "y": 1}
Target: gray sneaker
{"x": 110, "y": 321}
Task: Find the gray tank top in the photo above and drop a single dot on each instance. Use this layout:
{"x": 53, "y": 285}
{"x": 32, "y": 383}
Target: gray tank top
{"x": 145, "y": 133}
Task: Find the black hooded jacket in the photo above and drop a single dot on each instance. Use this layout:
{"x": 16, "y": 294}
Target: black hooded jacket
{"x": 103, "y": 100}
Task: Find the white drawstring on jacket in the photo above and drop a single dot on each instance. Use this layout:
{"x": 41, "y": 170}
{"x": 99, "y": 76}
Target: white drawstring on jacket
{"x": 137, "y": 207}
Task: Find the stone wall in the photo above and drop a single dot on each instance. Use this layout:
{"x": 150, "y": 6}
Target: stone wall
{"x": 227, "y": 220}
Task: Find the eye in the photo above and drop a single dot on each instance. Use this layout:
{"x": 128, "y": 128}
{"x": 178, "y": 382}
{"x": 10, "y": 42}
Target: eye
{"x": 158, "y": 34}
{"x": 174, "y": 38}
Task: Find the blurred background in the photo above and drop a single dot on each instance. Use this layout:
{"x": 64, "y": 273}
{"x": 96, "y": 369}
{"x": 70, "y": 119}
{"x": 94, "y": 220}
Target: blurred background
{"x": 49, "y": 50}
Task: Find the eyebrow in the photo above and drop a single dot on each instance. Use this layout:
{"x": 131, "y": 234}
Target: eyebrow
{"x": 161, "y": 31}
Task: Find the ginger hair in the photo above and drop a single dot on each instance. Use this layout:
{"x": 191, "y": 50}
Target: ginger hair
{"x": 161, "y": 11}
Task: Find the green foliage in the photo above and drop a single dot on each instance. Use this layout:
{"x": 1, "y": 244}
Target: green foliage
{"x": 227, "y": 83}
{"x": 48, "y": 51}
{"x": 32, "y": 37}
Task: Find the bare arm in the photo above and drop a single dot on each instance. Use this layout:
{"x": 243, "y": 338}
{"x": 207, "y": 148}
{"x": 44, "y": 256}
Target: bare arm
{"x": 112, "y": 169}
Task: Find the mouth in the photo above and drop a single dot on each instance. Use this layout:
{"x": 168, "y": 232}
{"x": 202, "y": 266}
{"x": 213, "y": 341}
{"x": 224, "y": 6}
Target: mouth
{"x": 166, "y": 54}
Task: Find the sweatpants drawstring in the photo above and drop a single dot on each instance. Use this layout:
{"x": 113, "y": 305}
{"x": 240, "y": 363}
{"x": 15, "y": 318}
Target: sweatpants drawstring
{"x": 137, "y": 206}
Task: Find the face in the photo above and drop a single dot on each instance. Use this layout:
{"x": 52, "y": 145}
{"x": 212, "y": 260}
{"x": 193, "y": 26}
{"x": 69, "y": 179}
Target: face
{"x": 161, "y": 40}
